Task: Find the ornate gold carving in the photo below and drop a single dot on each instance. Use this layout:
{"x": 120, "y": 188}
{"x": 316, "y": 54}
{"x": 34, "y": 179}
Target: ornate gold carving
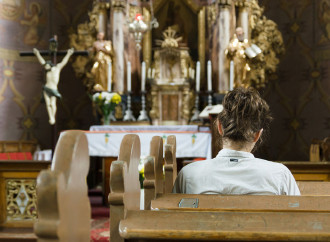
{"x": 11, "y": 9}
{"x": 265, "y": 34}
{"x": 21, "y": 199}
{"x": 212, "y": 14}
{"x": 173, "y": 72}
{"x": 224, "y": 3}
{"x": 118, "y": 5}
{"x": 84, "y": 40}
{"x": 242, "y": 3}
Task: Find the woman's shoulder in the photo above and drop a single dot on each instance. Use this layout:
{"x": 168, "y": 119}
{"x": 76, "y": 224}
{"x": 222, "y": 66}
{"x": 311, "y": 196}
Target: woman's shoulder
{"x": 271, "y": 164}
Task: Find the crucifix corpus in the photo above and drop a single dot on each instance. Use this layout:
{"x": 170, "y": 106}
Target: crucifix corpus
{"x": 50, "y": 91}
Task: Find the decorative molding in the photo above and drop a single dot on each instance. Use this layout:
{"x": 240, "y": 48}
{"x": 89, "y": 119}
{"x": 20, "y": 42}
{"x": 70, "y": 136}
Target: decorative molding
{"x": 13, "y": 55}
{"x": 21, "y": 199}
{"x": 118, "y": 5}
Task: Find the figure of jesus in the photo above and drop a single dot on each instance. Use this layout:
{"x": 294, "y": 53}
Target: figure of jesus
{"x": 50, "y": 91}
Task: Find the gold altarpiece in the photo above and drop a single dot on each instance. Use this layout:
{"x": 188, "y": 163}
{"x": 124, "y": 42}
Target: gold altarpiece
{"x": 171, "y": 78}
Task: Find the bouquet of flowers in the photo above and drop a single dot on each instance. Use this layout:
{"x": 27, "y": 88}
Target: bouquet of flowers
{"x": 106, "y": 103}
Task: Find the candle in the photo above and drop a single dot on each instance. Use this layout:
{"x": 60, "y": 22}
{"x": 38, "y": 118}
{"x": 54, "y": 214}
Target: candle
{"x": 198, "y": 76}
{"x": 231, "y": 76}
{"x": 129, "y": 88}
{"x": 153, "y": 73}
{"x": 109, "y": 76}
{"x": 143, "y": 77}
{"x": 209, "y": 77}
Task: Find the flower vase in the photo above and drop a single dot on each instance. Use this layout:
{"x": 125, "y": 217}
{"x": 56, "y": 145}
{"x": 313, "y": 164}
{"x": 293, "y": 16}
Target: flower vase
{"x": 106, "y": 119}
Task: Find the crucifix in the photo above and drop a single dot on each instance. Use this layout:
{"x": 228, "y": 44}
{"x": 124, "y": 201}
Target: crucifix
{"x": 53, "y": 69}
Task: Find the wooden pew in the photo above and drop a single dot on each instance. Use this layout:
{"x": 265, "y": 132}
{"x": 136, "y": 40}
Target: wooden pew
{"x": 124, "y": 183}
{"x": 170, "y": 166}
{"x": 225, "y": 226}
{"x": 314, "y": 188}
{"x": 63, "y": 204}
{"x": 262, "y": 203}
{"x": 295, "y": 224}
{"x": 153, "y": 183}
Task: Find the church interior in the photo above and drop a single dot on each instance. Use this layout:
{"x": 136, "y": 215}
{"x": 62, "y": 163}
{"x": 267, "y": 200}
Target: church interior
{"x": 97, "y": 70}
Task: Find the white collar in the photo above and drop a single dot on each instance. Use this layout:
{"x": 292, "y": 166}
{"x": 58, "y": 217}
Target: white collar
{"x": 234, "y": 153}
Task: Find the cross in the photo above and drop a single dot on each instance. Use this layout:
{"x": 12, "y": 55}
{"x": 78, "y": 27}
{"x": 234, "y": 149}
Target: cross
{"x": 50, "y": 92}
{"x": 53, "y": 52}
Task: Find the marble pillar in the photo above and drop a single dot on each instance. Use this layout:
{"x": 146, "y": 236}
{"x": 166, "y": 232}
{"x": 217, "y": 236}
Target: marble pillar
{"x": 243, "y": 18}
{"x": 201, "y": 42}
{"x": 224, "y": 39}
{"x": 102, "y": 25}
{"x": 146, "y": 42}
{"x": 118, "y": 24}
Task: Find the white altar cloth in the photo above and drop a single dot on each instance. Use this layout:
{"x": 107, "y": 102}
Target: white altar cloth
{"x": 105, "y": 140}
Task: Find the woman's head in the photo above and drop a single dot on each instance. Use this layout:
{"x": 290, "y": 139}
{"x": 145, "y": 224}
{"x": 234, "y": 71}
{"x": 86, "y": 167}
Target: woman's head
{"x": 244, "y": 114}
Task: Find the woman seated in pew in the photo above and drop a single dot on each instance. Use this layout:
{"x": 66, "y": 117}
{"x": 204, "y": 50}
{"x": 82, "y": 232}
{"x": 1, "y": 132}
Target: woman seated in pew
{"x": 235, "y": 170}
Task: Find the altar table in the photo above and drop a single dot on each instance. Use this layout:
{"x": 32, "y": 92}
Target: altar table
{"x": 191, "y": 140}
{"x": 104, "y": 141}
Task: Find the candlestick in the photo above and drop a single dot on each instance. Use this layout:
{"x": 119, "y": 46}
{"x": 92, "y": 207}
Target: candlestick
{"x": 198, "y": 75}
{"x": 231, "y": 76}
{"x": 109, "y": 76}
{"x": 143, "y": 77}
{"x": 128, "y": 113}
{"x": 209, "y": 77}
{"x": 129, "y": 88}
{"x": 153, "y": 73}
{"x": 143, "y": 113}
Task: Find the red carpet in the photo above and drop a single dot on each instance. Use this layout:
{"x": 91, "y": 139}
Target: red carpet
{"x": 100, "y": 223}
{"x": 100, "y": 229}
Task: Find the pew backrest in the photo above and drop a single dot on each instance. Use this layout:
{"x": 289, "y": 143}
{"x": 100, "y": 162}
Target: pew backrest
{"x": 262, "y": 203}
{"x": 124, "y": 183}
{"x": 314, "y": 188}
{"x": 153, "y": 172}
{"x": 170, "y": 166}
{"x": 63, "y": 204}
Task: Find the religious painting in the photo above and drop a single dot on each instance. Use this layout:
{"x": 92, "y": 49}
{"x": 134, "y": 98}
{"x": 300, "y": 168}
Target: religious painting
{"x": 31, "y": 19}
{"x": 11, "y": 9}
{"x": 324, "y": 20}
{"x": 181, "y": 18}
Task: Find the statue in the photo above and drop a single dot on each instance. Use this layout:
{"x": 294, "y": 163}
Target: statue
{"x": 236, "y": 53}
{"x": 31, "y": 20}
{"x": 103, "y": 59}
{"x": 50, "y": 92}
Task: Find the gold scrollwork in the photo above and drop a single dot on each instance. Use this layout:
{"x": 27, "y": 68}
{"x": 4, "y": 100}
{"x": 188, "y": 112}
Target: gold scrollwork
{"x": 265, "y": 34}
{"x": 21, "y": 199}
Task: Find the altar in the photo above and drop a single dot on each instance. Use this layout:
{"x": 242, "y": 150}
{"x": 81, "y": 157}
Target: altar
{"x": 192, "y": 140}
{"x": 104, "y": 141}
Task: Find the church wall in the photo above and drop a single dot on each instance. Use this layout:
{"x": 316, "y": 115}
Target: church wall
{"x": 298, "y": 93}
{"x": 26, "y": 24}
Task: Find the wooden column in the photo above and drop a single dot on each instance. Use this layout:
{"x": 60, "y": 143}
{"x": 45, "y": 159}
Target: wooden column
{"x": 102, "y": 25}
{"x": 118, "y": 43}
{"x": 243, "y": 18}
{"x": 146, "y": 43}
{"x": 201, "y": 41}
{"x": 224, "y": 38}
